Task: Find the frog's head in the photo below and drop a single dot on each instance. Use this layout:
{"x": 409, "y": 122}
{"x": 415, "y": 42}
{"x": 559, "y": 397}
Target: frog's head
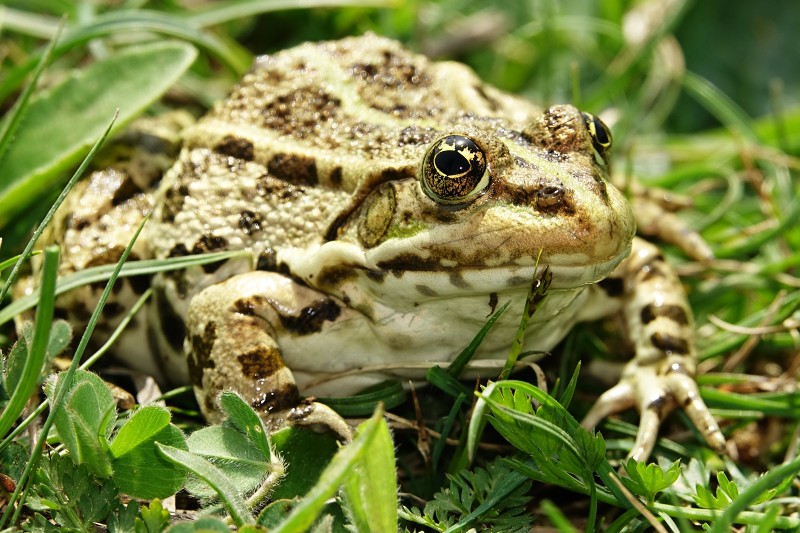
{"x": 487, "y": 203}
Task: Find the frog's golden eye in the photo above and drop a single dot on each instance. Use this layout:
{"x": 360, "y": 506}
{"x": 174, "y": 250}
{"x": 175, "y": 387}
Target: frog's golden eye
{"x": 454, "y": 170}
{"x": 600, "y": 134}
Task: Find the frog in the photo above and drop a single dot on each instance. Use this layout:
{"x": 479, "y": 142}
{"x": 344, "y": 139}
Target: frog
{"x": 384, "y": 205}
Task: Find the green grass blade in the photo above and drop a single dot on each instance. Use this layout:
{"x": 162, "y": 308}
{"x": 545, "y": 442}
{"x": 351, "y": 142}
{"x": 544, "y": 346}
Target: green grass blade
{"x": 303, "y": 515}
{"x": 104, "y": 272}
{"x": 232, "y": 10}
{"x": 38, "y": 347}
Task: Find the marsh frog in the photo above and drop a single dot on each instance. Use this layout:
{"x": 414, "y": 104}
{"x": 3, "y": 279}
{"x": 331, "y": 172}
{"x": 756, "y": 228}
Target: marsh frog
{"x": 386, "y": 204}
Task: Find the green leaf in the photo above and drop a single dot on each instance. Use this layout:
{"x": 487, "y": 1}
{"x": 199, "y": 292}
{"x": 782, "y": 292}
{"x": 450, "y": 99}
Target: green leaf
{"x": 202, "y": 525}
{"x": 154, "y": 518}
{"x": 60, "y": 336}
{"x": 650, "y": 479}
{"x": 371, "y": 491}
{"x": 139, "y": 468}
{"x": 244, "y": 418}
{"x": 85, "y": 420}
{"x": 306, "y": 453}
{"x": 62, "y": 123}
{"x": 244, "y": 464}
{"x": 139, "y": 428}
{"x": 216, "y": 478}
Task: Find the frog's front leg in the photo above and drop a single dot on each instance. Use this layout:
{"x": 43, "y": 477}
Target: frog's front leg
{"x": 231, "y": 345}
{"x": 661, "y": 375}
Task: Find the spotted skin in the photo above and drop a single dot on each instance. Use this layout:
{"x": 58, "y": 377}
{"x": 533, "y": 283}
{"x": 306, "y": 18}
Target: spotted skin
{"x": 384, "y": 205}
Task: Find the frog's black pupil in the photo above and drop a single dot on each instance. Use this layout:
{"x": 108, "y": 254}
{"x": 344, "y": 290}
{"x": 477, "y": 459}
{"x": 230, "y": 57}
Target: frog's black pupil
{"x": 451, "y": 163}
{"x": 600, "y": 132}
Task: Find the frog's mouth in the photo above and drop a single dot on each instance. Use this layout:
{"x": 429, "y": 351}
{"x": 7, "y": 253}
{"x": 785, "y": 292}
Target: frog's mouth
{"x": 338, "y": 264}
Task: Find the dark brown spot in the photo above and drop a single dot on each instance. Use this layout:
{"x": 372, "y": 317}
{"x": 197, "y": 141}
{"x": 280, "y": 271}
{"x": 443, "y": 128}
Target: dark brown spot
{"x": 408, "y": 261}
{"x": 294, "y": 168}
{"x": 300, "y": 111}
{"x": 77, "y": 223}
{"x": 247, "y": 306}
{"x": 270, "y": 187}
{"x": 200, "y": 358}
{"x": 517, "y": 281}
{"x": 651, "y": 270}
{"x": 209, "y": 243}
{"x": 613, "y": 287}
{"x": 170, "y": 322}
{"x": 276, "y": 400}
{"x": 336, "y": 177}
{"x": 311, "y": 318}
{"x": 113, "y": 309}
{"x": 334, "y": 276}
{"x": 250, "y": 222}
{"x": 669, "y": 344}
{"x": 260, "y": 363}
{"x": 458, "y": 281}
{"x": 425, "y": 290}
{"x": 235, "y": 147}
{"x": 659, "y": 406}
{"x": 377, "y": 276}
{"x": 673, "y": 312}
{"x": 108, "y": 256}
{"x": 126, "y": 190}
{"x": 267, "y": 261}
{"x": 140, "y": 283}
{"x": 173, "y": 202}
{"x": 492, "y": 303}
{"x": 179, "y": 250}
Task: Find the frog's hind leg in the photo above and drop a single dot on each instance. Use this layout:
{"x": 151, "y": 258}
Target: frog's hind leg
{"x": 661, "y": 376}
{"x": 231, "y": 345}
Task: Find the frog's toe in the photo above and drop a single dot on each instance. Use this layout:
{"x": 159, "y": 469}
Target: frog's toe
{"x": 654, "y": 396}
{"x": 321, "y": 418}
{"x": 619, "y": 398}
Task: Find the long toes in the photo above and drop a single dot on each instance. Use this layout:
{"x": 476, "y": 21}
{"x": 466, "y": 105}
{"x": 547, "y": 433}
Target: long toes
{"x": 646, "y": 436}
{"x": 620, "y": 397}
{"x": 687, "y": 396}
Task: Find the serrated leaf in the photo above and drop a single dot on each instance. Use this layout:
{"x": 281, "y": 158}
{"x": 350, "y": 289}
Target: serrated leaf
{"x": 139, "y": 469}
{"x": 154, "y": 518}
{"x": 371, "y": 489}
{"x": 62, "y": 123}
{"x": 650, "y": 479}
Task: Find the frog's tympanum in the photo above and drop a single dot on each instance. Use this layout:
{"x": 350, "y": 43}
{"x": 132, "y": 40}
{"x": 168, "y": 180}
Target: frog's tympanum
{"x": 387, "y": 203}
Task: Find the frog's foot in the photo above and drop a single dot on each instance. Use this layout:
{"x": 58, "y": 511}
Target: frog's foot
{"x": 231, "y": 345}
{"x": 321, "y": 418}
{"x": 655, "y": 217}
{"x": 659, "y": 323}
{"x": 654, "y": 390}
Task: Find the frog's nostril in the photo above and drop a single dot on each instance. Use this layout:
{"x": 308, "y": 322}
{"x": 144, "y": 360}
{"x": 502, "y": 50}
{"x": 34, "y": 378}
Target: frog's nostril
{"x": 549, "y": 195}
